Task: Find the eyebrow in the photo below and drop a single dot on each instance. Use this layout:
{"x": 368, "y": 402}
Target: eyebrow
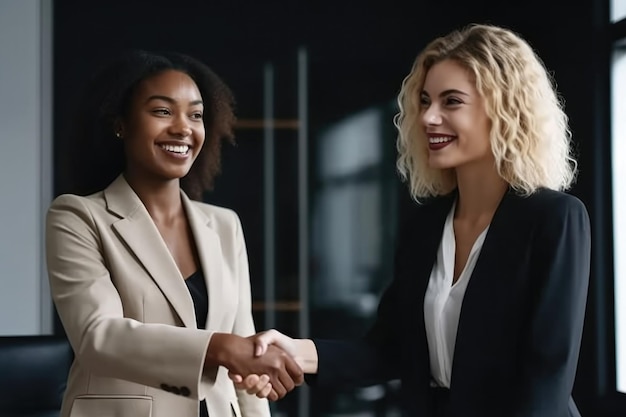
{"x": 447, "y": 92}
{"x": 171, "y": 100}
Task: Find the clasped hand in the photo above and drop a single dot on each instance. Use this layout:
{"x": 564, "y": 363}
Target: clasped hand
{"x": 264, "y": 384}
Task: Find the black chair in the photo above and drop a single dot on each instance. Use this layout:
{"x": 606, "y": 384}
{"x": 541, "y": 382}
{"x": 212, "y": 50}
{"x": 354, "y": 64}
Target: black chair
{"x": 33, "y": 374}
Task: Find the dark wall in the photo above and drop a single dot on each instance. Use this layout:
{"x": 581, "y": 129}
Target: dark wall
{"x": 359, "y": 55}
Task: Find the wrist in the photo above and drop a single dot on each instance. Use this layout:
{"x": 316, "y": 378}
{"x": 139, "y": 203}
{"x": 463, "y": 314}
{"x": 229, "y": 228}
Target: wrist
{"x": 306, "y": 355}
{"x": 217, "y": 352}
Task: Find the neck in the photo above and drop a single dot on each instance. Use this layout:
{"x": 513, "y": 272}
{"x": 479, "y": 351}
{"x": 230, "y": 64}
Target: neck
{"x": 161, "y": 198}
{"x": 479, "y": 193}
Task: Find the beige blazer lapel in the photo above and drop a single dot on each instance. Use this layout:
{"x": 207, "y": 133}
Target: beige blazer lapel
{"x": 209, "y": 251}
{"x": 138, "y": 231}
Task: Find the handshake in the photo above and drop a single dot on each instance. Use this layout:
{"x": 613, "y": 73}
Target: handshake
{"x": 268, "y": 364}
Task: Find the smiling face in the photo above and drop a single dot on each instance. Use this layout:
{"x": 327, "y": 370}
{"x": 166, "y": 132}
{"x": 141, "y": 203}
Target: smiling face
{"x": 163, "y": 130}
{"x": 454, "y": 119}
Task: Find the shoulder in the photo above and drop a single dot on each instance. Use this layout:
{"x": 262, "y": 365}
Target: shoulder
{"x": 72, "y": 205}
{"x": 553, "y": 205}
{"x": 555, "y": 215}
{"x": 75, "y": 215}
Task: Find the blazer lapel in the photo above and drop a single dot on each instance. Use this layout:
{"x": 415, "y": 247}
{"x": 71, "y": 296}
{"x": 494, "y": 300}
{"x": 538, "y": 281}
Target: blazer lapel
{"x": 489, "y": 279}
{"x": 422, "y": 238}
{"x": 209, "y": 251}
{"x": 432, "y": 235}
{"x": 137, "y": 229}
{"x": 507, "y": 229}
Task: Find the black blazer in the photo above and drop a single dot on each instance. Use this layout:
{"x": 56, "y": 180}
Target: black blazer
{"x": 521, "y": 321}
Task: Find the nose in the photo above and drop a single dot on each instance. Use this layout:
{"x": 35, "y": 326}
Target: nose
{"x": 180, "y": 127}
{"x": 431, "y": 116}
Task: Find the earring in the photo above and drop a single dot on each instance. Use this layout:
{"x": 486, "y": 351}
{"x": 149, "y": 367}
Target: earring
{"x": 118, "y": 135}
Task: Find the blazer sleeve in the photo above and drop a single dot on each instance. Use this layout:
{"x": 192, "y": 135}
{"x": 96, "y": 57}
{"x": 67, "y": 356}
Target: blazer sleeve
{"x": 250, "y": 405}
{"x": 562, "y": 266}
{"x": 359, "y": 362}
{"x": 373, "y": 359}
{"x": 92, "y": 313}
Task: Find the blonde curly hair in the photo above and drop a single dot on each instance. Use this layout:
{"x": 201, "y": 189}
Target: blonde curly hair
{"x": 530, "y": 137}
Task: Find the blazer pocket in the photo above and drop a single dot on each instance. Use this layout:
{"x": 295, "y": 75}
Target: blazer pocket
{"x": 112, "y": 406}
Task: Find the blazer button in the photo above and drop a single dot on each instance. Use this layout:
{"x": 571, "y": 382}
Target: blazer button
{"x": 185, "y": 392}
{"x": 166, "y": 388}
{"x": 175, "y": 390}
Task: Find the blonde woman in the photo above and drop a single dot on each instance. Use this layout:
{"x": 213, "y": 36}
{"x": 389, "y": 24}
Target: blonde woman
{"x": 485, "y": 313}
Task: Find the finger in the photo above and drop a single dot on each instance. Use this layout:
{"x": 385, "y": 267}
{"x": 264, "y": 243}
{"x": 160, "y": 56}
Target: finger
{"x": 249, "y": 383}
{"x": 279, "y": 377}
{"x": 235, "y": 377}
{"x": 264, "y": 339}
{"x": 239, "y": 385}
{"x": 284, "y": 376}
{"x": 286, "y": 381}
{"x": 265, "y": 392}
{"x": 273, "y": 395}
{"x": 252, "y": 380}
{"x": 246, "y": 383}
{"x": 277, "y": 384}
{"x": 260, "y": 346}
{"x": 294, "y": 370}
{"x": 262, "y": 383}
{"x": 254, "y": 385}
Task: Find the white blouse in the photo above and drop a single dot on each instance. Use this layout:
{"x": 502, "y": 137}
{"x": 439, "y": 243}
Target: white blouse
{"x": 442, "y": 303}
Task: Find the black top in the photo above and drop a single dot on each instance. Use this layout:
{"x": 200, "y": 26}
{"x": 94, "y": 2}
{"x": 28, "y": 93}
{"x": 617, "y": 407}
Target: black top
{"x": 200, "y": 296}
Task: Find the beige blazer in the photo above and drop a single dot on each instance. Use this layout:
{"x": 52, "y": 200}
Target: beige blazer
{"x": 128, "y": 313}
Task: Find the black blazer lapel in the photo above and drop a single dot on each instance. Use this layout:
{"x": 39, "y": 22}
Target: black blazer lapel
{"x": 419, "y": 241}
{"x": 492, "y": 282}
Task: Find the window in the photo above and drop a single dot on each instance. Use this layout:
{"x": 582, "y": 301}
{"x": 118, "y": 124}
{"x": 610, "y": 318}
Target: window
{"x": 618, "y": 134}
{"x": 618, "y": 10}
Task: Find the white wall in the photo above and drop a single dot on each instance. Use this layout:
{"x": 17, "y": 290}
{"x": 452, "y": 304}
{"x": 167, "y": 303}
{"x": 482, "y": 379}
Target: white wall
{"x": 25, "y": 164}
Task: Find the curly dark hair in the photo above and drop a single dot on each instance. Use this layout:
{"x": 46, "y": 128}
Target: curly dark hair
{"x": 98, "y": 155}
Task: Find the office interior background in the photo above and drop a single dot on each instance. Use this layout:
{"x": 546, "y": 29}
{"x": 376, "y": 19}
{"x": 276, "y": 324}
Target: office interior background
{"x": 313, "y": 173}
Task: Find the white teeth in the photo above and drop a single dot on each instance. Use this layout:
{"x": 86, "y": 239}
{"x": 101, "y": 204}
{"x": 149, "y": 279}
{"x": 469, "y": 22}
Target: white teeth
{"x": 181, "y": 149}
{"x": 440, "y": 139}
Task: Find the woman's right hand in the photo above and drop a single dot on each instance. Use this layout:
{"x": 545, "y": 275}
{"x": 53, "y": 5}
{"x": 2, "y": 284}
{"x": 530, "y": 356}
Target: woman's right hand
{"x": 260, "y": 385}
{"x": 236, "y": 353}
{"x": 273, "y": 337}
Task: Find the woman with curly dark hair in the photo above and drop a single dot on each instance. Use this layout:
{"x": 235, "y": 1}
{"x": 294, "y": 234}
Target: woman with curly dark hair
{"x": 152, "y": 285}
